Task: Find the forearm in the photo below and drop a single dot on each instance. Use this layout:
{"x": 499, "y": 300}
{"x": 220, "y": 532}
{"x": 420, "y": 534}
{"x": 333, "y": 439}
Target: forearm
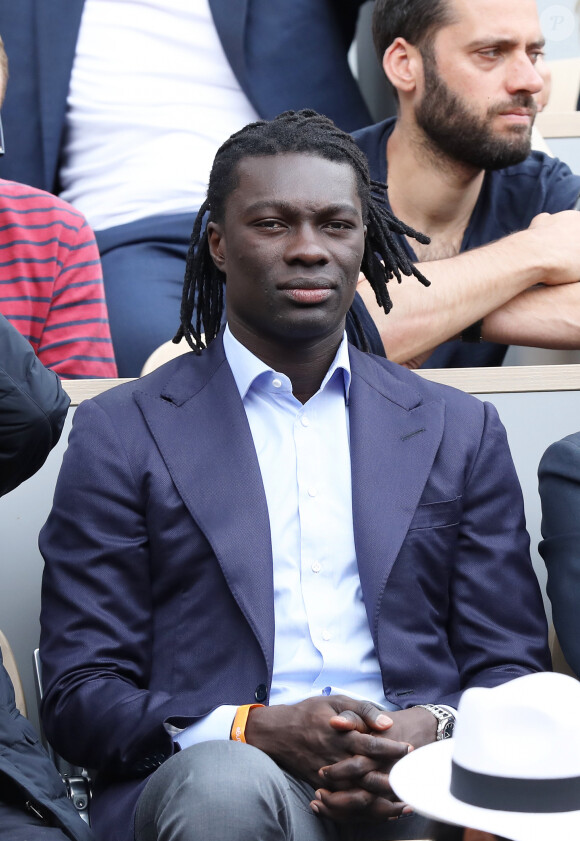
{"x": 474, "y": 284}
{"x": 463, "y": 289}
{"x": 545, "y": 317}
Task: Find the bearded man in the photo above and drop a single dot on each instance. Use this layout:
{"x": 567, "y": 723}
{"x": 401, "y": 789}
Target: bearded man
{"x": 460, "y": 169}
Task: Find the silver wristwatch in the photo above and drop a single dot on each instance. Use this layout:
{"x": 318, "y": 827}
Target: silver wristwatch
{"x": 445, "y": 720}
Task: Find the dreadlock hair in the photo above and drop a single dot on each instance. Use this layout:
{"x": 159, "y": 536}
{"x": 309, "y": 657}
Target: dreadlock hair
{"x": 303, "y": 132}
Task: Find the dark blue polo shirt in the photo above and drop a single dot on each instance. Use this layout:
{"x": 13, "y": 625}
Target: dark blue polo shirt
{"x": 508, "y": 201}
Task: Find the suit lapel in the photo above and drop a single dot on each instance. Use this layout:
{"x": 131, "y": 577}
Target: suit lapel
{"x": 57, "y": 28}
{"x": 394, "y": 438}
{"x": 200, "y": 427}
{"x": 230, "y": 20}
{"x": 204, "y": 438}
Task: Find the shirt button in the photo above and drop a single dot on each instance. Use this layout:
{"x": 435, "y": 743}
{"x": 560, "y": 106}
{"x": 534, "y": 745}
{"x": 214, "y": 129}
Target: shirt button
{"x": 326, "y": 635}
{"x": 316, "y": 567}
{"x": 277, "y": 383}
{"x": 312, "y": 491}
{"x": 304, "y": 421}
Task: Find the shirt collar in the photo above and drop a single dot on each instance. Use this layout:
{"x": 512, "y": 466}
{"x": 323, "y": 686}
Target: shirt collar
{"x": 246, "y": 367}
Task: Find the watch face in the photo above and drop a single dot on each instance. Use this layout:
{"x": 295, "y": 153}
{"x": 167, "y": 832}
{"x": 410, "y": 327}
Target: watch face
{"x": 448, "y": 729}
{"x": 445, "y": 720}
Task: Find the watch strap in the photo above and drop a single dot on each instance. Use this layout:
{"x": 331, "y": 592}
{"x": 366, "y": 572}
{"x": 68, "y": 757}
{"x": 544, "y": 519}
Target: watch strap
{"x": 445, "y": 720}
{"x": 472, "y": 334}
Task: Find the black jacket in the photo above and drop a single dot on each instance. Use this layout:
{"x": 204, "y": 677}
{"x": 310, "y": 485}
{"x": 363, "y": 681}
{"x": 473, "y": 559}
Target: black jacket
{"x": 25, "y": 762}
{"x": 33, "y": 408}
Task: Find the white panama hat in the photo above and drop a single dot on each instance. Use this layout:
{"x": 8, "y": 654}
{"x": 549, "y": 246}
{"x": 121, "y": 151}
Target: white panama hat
{"x": 512, "y": 767}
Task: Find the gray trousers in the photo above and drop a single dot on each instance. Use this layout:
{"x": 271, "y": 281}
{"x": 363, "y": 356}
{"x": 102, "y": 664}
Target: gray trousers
{"x": 228, "y": 791}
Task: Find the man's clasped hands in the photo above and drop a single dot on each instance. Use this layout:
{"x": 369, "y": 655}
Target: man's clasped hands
{"x": 344, "y": 748}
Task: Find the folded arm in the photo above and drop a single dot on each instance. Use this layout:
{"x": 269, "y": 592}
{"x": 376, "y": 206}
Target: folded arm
{"x": 476, "y": 283}
{"x": 544, "y": 317}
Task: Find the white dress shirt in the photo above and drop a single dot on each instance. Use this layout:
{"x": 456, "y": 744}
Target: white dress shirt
{"x": 322, "y": 640}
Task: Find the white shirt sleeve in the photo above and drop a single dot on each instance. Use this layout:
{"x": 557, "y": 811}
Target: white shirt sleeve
{"x": 216, "y": 725}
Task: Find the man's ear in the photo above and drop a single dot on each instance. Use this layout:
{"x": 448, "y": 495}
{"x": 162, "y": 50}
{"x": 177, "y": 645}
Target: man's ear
{"x": 402, "y": 63}
{"x": 216, "y": 243}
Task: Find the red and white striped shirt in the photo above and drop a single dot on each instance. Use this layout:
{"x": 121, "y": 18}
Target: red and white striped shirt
{"x": 51, "y": 283}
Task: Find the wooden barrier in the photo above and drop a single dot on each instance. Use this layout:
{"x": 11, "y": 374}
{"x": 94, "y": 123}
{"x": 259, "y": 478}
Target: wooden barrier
{"x": 518, "y": 378}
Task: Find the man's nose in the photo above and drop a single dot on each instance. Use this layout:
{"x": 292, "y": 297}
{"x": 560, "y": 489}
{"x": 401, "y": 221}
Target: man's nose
{"x": 306, "y": 245}
{"x": 523, "y": 76}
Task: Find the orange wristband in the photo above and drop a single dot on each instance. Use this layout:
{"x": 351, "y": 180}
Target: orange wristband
{"x": 238, "y": 731}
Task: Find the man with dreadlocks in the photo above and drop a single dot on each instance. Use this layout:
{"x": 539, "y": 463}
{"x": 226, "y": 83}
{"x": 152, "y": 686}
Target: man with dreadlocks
{"x": 274, "y": 564}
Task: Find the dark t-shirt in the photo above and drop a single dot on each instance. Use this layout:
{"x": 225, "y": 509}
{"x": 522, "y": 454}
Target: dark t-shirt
{"x": 369, "y": 328}
{"x": 508, "y": 201}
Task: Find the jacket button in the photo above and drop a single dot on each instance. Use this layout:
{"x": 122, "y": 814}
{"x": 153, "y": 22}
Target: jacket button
{"x": 261, "y": 693}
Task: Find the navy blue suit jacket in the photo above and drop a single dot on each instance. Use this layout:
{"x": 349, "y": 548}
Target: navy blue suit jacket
{"x": 559, "y": 476}
{"x": 285, "y": 55}
{"x": 158, "y": 589}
